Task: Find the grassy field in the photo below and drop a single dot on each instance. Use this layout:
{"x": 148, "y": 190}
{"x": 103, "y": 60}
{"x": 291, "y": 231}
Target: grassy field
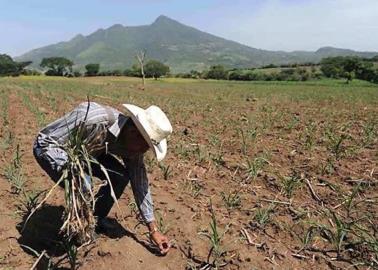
{"x": 287, "y": 171}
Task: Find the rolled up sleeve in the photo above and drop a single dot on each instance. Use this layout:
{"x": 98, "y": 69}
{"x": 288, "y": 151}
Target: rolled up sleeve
{"x": 140, "y": 186}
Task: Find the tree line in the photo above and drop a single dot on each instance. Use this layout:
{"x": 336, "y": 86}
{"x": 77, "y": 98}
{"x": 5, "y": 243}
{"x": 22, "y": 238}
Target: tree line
{"x": 346, "y": 67}
{"x": 350, "y": 67}
{"x": 219, "y": 72}
{"x": 61, "y": 66}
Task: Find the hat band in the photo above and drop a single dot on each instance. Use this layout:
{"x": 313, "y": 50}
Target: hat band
{"x": 154, "y": 142}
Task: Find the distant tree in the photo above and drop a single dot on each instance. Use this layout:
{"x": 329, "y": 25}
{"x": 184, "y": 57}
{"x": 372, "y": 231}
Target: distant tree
{"x": 349, "y": 65}
{"x": 156, "y": 69}
{"x": 233, "y": 75}
{"x": 22, "y": 65}
{"x": 57, "y": 66}
{"x": 375, "y": 78}
{"x": 269, "y": 66}
{"x": 366, "y": 71}
{"x": 217, "y": 72}
{"x": 238, "y": 75}
{"x": 349, "y": 76}
{"x": 332, "y": 67}
{"x": 195, "y": 74}
{"x": 30, "y": 72}
{"x": 141, "y": 56}
{"x": 250, "y": 75}
{"x": 8, "y": 67}
{"x": 183, "y": 75}
{"x": 77, "y": 73}
{"x": 129, "y": 72}
{"x": 92, "y": 69}
{"x": 116, "y": 72}
{"x": 304, "y": 75}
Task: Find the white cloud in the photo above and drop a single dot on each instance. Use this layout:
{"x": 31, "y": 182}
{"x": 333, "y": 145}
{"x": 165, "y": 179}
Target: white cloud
{"x": 305, "y": 25}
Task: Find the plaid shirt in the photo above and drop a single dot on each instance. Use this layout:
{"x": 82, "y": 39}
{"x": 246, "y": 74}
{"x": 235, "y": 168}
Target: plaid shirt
{"x": 102, "y": 127}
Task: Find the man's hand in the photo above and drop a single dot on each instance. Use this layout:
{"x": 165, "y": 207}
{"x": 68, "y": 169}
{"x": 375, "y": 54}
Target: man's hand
{"x": 160, "y": 240}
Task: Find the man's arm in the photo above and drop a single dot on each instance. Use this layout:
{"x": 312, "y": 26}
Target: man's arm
{"x": 139, "y": 182}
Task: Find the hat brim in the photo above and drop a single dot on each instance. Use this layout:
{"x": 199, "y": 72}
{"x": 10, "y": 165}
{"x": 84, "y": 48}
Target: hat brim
{"x": 160, "y": 149}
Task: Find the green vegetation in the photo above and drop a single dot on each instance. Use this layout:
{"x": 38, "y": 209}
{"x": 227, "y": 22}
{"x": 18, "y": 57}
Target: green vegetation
{"x": 161, "y": 223}
{"x": 57, "y": 66}
{"x": 41, "y": 118}
{"x": 13, "y": 172}
{"x": 254, "y": 167}
{"x": 29, "y": 201}
{"x": 155, "y": 69}
{"x": 349, "y": 68}
{"x": 290, "y": 184}
{"x": 8, "y": 67}
{"x": 262, "y": 216}
{"x": 92, "y": 69}
{"x": 231, "y": 200}
{"x": 217, "y": 72}
{"x": 217, "y": 250}
{"x": 166, "y": 170}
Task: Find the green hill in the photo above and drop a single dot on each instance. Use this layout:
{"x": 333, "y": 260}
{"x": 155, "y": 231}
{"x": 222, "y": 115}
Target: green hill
{"x": 181, "y": 47}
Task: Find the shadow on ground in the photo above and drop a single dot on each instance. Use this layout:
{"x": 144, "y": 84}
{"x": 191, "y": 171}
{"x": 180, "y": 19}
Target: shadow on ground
{"x": 42, "y": 231}
{"x": 118, "y": 231}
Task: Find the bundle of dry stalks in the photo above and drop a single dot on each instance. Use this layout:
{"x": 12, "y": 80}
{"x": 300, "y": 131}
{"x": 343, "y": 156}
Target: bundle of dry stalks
{"x": 79, "y": 184}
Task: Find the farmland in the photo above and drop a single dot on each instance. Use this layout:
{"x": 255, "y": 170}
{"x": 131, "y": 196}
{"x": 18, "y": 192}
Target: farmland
{"x": 260, "y": 175}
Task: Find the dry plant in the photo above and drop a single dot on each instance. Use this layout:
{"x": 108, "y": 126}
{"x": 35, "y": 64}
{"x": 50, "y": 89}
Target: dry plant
{"x": 79, "y": 184}
{"x": 141, "y": 56}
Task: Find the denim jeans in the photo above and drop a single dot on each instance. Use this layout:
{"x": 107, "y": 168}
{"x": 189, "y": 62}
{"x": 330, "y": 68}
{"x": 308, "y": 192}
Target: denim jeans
{"x": 53, "y": 159}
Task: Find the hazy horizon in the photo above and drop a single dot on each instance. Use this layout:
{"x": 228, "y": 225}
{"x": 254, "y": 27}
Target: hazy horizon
{"x": 284, "y": 25}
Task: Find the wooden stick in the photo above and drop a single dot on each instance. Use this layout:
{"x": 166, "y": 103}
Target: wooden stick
{"x": 249, "y": 240}
{"x": 300, "y": 256}
{"x": 246, "y": 234}
{"x": 313, "y": 193}
{"x": 275, "y": 201}
{"x": 337, "y": 206}
{"x": 37, "y": 261}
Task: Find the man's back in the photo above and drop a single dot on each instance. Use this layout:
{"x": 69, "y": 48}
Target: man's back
{"x": 96, "y": 117}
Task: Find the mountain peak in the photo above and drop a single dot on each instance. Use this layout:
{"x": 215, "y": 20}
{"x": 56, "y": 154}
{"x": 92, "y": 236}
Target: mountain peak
{"x": 116, "y": 26}
{"x": 326, "y": 48}
{"x": 335, "y": 51}
{"x": 164, "y": 19}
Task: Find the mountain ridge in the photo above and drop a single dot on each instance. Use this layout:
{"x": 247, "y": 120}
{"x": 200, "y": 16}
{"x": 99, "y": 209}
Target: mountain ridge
{"x": 181, "y": 47}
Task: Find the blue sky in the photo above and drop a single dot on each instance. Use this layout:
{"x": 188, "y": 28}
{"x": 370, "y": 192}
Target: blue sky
{"x": 270, "y": 24}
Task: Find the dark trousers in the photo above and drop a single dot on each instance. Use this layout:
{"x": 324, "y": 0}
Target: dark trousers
{"x": 116, "y": 171}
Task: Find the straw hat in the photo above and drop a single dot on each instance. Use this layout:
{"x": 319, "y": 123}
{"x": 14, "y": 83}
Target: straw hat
{"x": 154, "y": 125}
